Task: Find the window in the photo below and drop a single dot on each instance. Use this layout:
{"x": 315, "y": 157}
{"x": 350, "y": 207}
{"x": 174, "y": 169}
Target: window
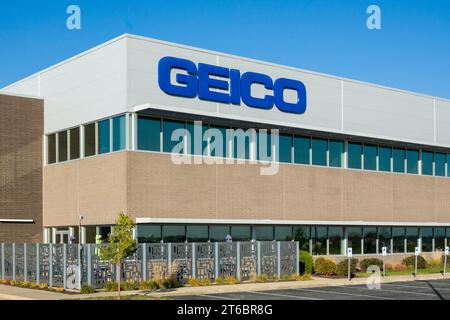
{"x": 149, "y": 134}
{"x": 62, "y": 146}
{"x": 335, "y": 235}
{"x": 384, "y": 159}
{"x": 241, "y": 144}
{"x": 412, "y": 235}
{"x": 412, "y": 159}
{"x": 448, "y": 165}
{"x": 427, "y": 239}
{"x": 336, "y": 151}
{"x": 264, "y": 145}
{"x": 199, "y": 145}
{"x": 285, "y": 150}
{"x": 302, "y": 146}
{"x": 370, "y": 240}
{"x": 149, "y": 233}
{"x": 104, "y": 135}
{"x": 89, "y": 140}
{"x": 241, "y": 233}
{"x": 399, "y": 160}
{"x": 354, "y": 239}
{"x": 51, "y": 149}
{"x": 169, "y": 128}
{"x": 319, "y": 152}
{"x": 74, "y": 143}
{"x": 218, "y": 142}
{"x": 384, "y": 239}
{"x": 119, "y": 133}
{"x": 302, "y": 234}
{"x": 264, "y": 233}
{"x": 197, "y": 233}
{"x": 173, "y": 233}
{"x": 283, "y": 233}
{"x": 439, "y": 164}
{"x": 427, "y": 163}
{"x": 398, "y": 237}
{"x": 354, "y": 155}
{"x": 439, "y": 239}
{"x": 319, "y": 236}
{"x": 218, "y": 233}
{"x": 370, "y": 157}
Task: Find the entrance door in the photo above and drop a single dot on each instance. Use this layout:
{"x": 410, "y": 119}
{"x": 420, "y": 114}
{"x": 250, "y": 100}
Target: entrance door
{"x": 62, "y": 237}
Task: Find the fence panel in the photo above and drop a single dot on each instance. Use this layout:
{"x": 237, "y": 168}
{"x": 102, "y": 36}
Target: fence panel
{"x": 31, "y": 263}
{"x": 227, "y": 257}
{"x": 103, "y": 271}
{"x": 132, "y": 266}
{"x": 8, "y": 267}
{"x": 44, "y": 264}
{"x": 288, "y": 258}
{"x": 248, "y": 260}
{"x": 205, "y": 254}
{"x": 157, "y": 261}
{"x": 181, "y": 261}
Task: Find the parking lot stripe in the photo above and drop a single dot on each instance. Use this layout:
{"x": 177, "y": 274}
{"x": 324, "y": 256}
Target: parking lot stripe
{"x": 216, "y": 297}
{"x": 346, "y": 293}
{"x": 282, "y": 295}
{"x": 397, "y": 291}
{"x": 418, "y": 287}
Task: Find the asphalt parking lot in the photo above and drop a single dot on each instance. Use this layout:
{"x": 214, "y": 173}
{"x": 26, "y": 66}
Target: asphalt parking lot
{"x": 412, "y": 290}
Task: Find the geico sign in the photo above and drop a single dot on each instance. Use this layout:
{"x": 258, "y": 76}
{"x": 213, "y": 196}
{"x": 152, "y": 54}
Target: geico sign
{"x": 204, "y": 81}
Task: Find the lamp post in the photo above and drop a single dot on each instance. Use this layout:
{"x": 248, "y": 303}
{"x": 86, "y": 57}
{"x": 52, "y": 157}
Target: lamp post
{"x": 80, "y": 218}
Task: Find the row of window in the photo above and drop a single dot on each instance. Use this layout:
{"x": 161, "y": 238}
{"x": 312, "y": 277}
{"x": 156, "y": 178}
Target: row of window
{"x": 319, "y": 240}
{"x": 155, "y": 134}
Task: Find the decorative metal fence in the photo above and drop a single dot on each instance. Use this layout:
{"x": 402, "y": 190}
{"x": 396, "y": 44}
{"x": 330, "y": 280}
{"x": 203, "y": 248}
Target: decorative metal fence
{"x": 70, "y": 265}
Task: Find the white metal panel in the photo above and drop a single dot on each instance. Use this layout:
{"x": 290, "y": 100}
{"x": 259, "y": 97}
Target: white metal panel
{"x": 442, "y": 122}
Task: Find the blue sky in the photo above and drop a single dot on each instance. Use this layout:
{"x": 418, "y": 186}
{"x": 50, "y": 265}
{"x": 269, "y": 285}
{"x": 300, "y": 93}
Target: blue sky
{"x": 411, "y": 52}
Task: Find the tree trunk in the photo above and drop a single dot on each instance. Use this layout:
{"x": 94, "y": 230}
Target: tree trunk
{"x": 119, "y": 279}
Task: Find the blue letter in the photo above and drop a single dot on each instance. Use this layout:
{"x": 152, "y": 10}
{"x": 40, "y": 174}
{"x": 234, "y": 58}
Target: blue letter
{"x": 235, "y": 87}
{"x": 205, "y": 83}
{"x": 189, "y": 81}
{"x": 247, "y": 80}
{"x": 280, "y": 86}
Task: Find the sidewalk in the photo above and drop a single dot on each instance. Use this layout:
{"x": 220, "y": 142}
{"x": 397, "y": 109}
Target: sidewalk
{"x": 14, "y": 293}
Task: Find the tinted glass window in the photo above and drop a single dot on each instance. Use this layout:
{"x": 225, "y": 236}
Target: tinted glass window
{"x": 448, "y": 165}
{"x": 384, "y": 159}
{"x": 302, "y": 146}
{"x": 104, "y": 133}
{"x": 197, "y": 233}
{"x": 384, "y": 239}
{"x": 370, "y": 157}
{"x": 173, "y": 233}
{"x": 218, "y": 233}
{"x": 285, "y": 150}
{"x": 149, "y": 134}
{"x": 370, "y": 240}
{"x": 264, "y": 233}
{"x": 197, "y": 142}
{"x": 354, "y": 239}
{"x": 412, "y": 159}
{"x": 354, "y": 155}
{"x": 412, "y": 235}
{"x": 398, "y": 236}
{"x": 51, "y": 148}
{"x": 319, "y": 152}
{"x": 439, "y": 164}
{"x": 218, "y": 141}
{"x": 399, "y": 160}
{"x": 149, "y": 233}
{"x": 62, "y": 146}
{"x": 74, "y": 143}
{"x": 169, "y": 127}
{"x": 264, "y": 145}
{"x": 439, "y": 239}
{"x": 335, "y": 235}
{"x": 89, "y": 140}
{"x": 336, "y": 151}
{"x": 427, "y": 163}
{"x": 283, "y": 233}
{"x": 302, "y": 234}
{"x": 427, "y": 239}
{"x": 119, "y": 133}
{"x": 319, "y": 236}
{"x": 241, "y": 144}
{"x": 241, "y": 233}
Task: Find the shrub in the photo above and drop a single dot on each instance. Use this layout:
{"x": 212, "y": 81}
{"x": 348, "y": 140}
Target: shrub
{"x": 443, "y": 260}
{"x": 170, "y": 283}
{"x": 230, "y": 280}
{"x": 43, "y": 286}
{"x": 149, "y": 285}
{"x": 298, "y": 277}
{"x": 87, "y": 289}
{"x": 400, "y": 267}
{"x": 366, "y": 263}
{"x": 342, "y": 267}
{"x": 111, "y": 286}
{"x": 220, "y": 281}
{"x": 436, "y": 262}
{"x": 324, "y": 267}
{"x": 410, "y": 262}
{"x": 306, "y": 262}
{"x": 60, "y": 289}
{"x": 130, "y": 286}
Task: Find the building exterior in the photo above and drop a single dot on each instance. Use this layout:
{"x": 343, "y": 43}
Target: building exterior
{"x": 357, "y": 165}
{"x": 21, "y": 131}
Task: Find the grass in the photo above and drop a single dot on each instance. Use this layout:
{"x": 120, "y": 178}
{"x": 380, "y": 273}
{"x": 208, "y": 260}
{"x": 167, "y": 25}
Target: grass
{"x": 430, "y": 270}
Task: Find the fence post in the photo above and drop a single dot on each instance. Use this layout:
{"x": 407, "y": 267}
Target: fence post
{"x": 297, "y": 261}
{"x": 50, "y": 262}
{"x": 216, "y": 260}
{"x": 89, "y": 264}
{"x": 38, "y": 271}
{"x": 65, "y": 266}
{"x": 25, "y": 263}
{"x": 238, "y": 261}
{"x": 14, "y": 260}
{"x": 279, "y": 259}
{"x": 258, "y": 252}
{"x": 79, "y": 266}
{"x": 169, "y": 259}
{"x": 3, "y": 261}
{"x": 144, "y": 261}
{"x": 193, "y": 261}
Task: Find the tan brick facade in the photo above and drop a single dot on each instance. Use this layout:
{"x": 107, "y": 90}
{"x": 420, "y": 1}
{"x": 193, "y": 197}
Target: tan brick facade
{"x": 21, "y": 130}
{"x": 149, "y": 185}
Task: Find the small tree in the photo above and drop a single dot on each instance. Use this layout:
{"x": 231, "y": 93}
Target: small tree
{"x": 121, "y": 244}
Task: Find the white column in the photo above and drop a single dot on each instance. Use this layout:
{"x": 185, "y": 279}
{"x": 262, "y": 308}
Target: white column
{"x": 83, "y": 235}
{"x": 53, "y": 238}
{"x": 82, "y": 153}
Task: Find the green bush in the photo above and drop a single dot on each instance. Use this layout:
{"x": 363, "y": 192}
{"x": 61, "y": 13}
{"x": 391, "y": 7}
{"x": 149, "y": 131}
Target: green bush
{"x": 306, "y": 262}
{"x": 170, "y": 283}
{"x": 366, "y": 263}
{"x": 342, "y": 267}
{"x": 410, "y": 262}
{"x": 149, "y": 285}
{"x": 111, "y": 286}
{"x": 87, "y": 289}
{"x": 130, "y": 285}
{"x": 325, "y": 267}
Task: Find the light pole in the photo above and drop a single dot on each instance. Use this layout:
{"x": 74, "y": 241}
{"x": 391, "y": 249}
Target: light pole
{"x": 80, "y": 218}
